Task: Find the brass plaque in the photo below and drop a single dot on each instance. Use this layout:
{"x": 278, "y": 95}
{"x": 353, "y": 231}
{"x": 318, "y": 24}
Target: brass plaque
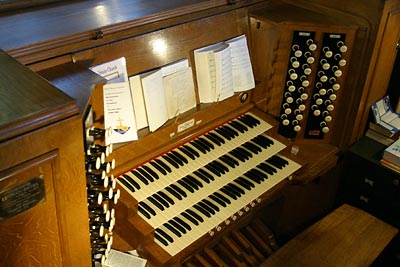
{"x": 21, "y": 197}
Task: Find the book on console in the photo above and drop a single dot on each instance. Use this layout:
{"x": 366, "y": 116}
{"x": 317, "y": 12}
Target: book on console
{"x": 392, "y": 153}
{"x": 222, "y": 69}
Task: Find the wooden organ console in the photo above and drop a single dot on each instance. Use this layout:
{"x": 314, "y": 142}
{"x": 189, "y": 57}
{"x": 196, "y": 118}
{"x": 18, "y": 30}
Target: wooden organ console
{"x": 175, "y": 193}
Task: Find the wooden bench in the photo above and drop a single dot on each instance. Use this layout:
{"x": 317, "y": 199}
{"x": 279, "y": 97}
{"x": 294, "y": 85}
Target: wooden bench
{"x": 347, "y": 236}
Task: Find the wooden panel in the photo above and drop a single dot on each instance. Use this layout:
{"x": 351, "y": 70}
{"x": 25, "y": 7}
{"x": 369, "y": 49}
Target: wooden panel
{"x": 31, "y": 238}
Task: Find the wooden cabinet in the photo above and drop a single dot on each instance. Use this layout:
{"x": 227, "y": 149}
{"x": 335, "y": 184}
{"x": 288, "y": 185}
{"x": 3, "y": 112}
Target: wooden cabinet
{"x": 382, "y": 63}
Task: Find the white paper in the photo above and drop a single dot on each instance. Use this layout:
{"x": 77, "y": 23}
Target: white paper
{"x": 113, "y": 71}
{"x": 175, "y": 67}
{"x": 119, "y": 259}
{"x": 179, "y": 92}
{"x": 154, "y": 97}
{"x": 138, "y": 101}
{"x": 243, "y": 77}
{"x": 223, "y": 73}
{"x": 118, "y": 113}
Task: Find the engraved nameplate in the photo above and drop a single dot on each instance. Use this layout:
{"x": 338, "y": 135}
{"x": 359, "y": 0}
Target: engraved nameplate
{"x": 21, "y": 197}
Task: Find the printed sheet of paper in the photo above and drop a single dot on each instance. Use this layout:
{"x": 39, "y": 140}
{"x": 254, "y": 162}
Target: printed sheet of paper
{"x": 243, "y": 77}
{"x": 138, "y": 101}
{"x": 154, "y": 98}
{"x": 118, "y": 113}
{"x": 113, "y": 71}
{"x": 179, "y": 92}
{"x": 223, "y": 72}
{"x": 120, "y": 259}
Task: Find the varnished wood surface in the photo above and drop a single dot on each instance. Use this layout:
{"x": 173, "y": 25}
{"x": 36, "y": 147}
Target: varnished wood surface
{"x": 346, "y": 237}
{"x": 84, "y": 24}
{"x": 27, "y": 100}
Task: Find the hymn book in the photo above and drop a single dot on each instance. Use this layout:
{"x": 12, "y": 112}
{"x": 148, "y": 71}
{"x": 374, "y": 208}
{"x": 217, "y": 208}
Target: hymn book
{"x": 162, "y": 94}
{"x": 223, "y": 69}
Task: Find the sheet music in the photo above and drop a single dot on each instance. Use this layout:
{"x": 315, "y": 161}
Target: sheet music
{"x": 223, "y": 73}
{"x": 242, "y": 71}
{"x": 179, "y": 92}
{"x": 154, "y": 97}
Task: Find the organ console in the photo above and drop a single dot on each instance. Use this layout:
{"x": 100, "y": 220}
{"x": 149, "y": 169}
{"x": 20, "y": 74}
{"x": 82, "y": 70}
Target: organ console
{"x": 209, "y": 179}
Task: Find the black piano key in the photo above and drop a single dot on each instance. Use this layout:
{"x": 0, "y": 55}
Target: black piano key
{"x": 145, "y": 213}
{"x": 156, "y": 203}
{"x": 187, "y": 152}
{"x": 206, "y": 174}
{"x": 238, "y": 126}
{"x": 186, "y": 186}
{"x": 178, "y": 189}
{"x": 131, "y": 181}
{"x": 180, "y": 156}
{"x": 238, "y": 189}
{"x": 252, "y": 147}
{"x": 194, "y": 215}
{"x": 252, "y": 177}
{"x": 253, "y": 119}
{"x": 189, "y": 218}
{"x": 212, "y": 169}
{"x": 221, "y": 166}
{"x": 183, "y": 223}
{"x": 262, "y": 141}
{"x": 213, "y": 139}
{"x": 191, "y": 150}
{"x": 161, "y": 200}
{"x": 173, "y": 192}
{"x": 140, "y": 177}
{"x": 158, "y": 167}
{"x": 246, "y": 121}
{"x": 147, "y": 208}
{"x": 162, "y": 164}
{"x": 126, "y": 183}
{"x": 258, "y": 174}
{"x": 172, "y": 229}
{"x": 190, "y": 183}
{"x": 177, "y": 226}
{"x": 206, "y": 143}
{"x": 161, "y": 239}
{"x": 245, "y": 152}
{"x": 231, "y": 130}
{"x": 222, "y": 197}
{"x": 275, "y": 162}
{"x": 164, "y": 234}
{"x": 224, "y": 133}
{"x": 267, "y": 168}
{"x": 206, "y": 207}
{"x": 170, "y": 160}
{"x": 227, "y": 161}
{"x": 237, "y": 155}
{"x": 175, "y": 158}
{"x": 201, "y": 176}
{"x": 194, "y": 180}
{"x": 228, "y": 192}
{"x": 198, "y": 146}
{"x": 216, "y": 137}
{"x": 166, "y": 197}
{"x": 145, "y": 174}
{"x": 210, "y": 204}
{"x": 227, "y": 131}
{"x": 243, "y": 184}
{"x": 283, "y": 161}
{"x": 201, "y": 210}
{"x": 245, "y": 181}
{"x": 151, "y": 172}
{"x": 218, "y": 200}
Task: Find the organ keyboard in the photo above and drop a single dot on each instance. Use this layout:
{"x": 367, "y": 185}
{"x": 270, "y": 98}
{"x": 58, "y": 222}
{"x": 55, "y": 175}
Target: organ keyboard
{"x": 203, "y": 185}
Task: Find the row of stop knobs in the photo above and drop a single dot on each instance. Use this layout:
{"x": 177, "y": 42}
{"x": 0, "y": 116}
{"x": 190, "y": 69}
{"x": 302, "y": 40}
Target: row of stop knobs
{"x": 102, "y": 194}
{"x": 325, "y": 86}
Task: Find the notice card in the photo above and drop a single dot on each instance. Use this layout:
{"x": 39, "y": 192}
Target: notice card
{"x": 113, "y": 71}
{"x": 120, "y": 259}
{"x": 118, "y": 113}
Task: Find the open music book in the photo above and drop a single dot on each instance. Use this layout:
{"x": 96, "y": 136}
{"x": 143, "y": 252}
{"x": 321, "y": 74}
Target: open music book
{"x": 162, "y": 94}
{"x": 223, "y": 69}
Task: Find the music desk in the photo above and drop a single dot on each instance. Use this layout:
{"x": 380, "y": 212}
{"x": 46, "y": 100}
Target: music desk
{"x": 347, "y": 236}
